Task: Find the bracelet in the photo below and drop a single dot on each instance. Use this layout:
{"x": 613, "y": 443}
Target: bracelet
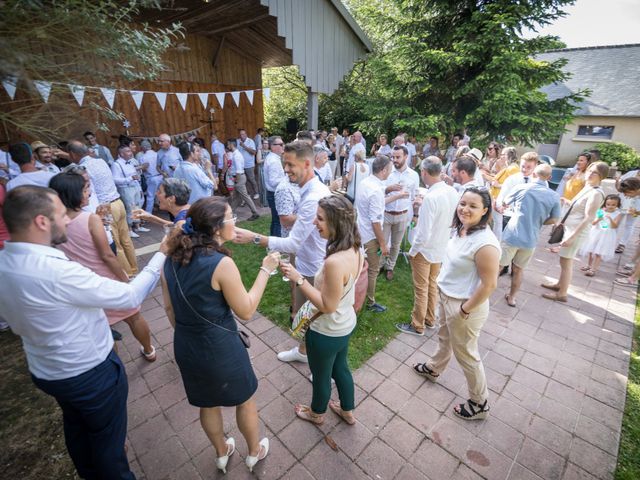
{"x": 462, "y": 310}
{"x": 265, "y": 270}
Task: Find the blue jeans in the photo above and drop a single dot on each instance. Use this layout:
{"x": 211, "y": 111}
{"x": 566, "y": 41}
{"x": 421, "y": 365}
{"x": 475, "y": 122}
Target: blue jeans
{"x": 274, "y": 230}
{"x": 94, "y": 413}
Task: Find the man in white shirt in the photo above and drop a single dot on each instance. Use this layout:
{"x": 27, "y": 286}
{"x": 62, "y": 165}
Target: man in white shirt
{"x": 44, "y": 157}
{"x": 148, "y": 160}
{"x": 304, "y": 239}
{"x": 450, "y": 154}
{"x": 370, "y": 208}
{"x": 399, "y": 141}
{"x": 432, "y": 231}
{"x": 463, "y": 173}
{"x": 397, "y": 215}
{"x": 240, "y": 179}
{"x": 127, "y": 180}
{"x": 248, "y": 149}
{"x": 100, "y": 150}
{"x": 217, "y": 153}
{"x": 273, "y": 174}
{"x": 65, "y": 333}
{"x": 29, "y": 174}
{"x": 321, "y": 164}
{"x": 168, "y": 155}
{"x": 356, "y": 146}
{"x": 102, "y": 183}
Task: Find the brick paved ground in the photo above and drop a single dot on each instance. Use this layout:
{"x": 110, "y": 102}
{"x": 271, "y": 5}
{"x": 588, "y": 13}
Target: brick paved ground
{"x": 557, "y": 375}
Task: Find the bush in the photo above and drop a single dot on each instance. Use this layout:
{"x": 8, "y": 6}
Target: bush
{"x": 625, "y": 156}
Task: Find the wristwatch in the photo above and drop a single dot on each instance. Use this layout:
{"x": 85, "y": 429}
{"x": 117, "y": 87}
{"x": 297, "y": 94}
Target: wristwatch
{"x": 300, "y": 281}
{"x": 256, "y": 240}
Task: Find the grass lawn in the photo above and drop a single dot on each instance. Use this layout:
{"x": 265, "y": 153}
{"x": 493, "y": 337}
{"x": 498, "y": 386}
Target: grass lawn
{"x": 373, "y": 331}
{"x": 629, "y": 453}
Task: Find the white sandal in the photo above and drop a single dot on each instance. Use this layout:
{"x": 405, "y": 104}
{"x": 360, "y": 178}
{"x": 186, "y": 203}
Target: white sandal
{"x": 251, "y": 461}
{"x": 221, "y": 462}
{"x": 149, "y": 357}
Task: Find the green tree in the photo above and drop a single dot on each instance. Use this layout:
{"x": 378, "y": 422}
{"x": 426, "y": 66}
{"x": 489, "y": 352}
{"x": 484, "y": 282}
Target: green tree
{"x": 76, "y": 42}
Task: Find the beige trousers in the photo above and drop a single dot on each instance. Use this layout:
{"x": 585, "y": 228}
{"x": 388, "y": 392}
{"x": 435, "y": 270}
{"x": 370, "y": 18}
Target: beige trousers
{"x": 394, "y": 227}
{"x": 126, "y": 252}
{"x": 459, "y": 336}
{"x": 425, "y": 291}
{"x": 373, "y": 259}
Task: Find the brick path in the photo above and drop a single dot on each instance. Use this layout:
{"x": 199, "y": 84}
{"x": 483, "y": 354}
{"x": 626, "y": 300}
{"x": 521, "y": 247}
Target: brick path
{"x": 557, "y": 375}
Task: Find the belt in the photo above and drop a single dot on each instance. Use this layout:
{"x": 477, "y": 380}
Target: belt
{"x": 114, "y": 200}
{"x": 397, "y": 213}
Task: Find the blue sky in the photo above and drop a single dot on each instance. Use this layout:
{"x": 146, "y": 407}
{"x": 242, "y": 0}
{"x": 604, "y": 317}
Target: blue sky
{"x": 598, "y": 22}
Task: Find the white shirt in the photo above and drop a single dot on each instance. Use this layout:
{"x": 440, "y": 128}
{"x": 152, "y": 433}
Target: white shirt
{"x": 217, "y": 148}
{"x": 461, "y": 188}
{"x": 123, "y": 172}
{"x": 326, "y": 174}
{"x": 14, "y": 168}
{"x": 101, "y": 179}
{"x": 385, "y": 150}
{"x": 412, "y": 150}
{"x": 434, "y": 222}
{"x": 273, "y": 171}
{"x": 409, "y": 178}
{"x": 39, "y": 178}
{"x": 458, "y": 276}
{"x": 304, "y": 239}
{"x": 370, "y": 207}
{"x": 56, "y": 306}
{"x": 151, "y": 158}
{"x": 358, "y": 147}
{"x": 237, "y": 162}
{"x": 47, "y": 167}
{"x": 249, "y": 158}
{"x": 169, "y": 159}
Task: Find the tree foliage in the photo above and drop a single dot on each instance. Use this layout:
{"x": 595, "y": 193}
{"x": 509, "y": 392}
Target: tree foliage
{"x": 625, "y": 157}
{"x": 77, "y": 42}
{"x": 441, "y": 65}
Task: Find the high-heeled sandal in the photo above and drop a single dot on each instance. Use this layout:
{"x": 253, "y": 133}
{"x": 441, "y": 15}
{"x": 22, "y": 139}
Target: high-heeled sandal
{"x": 251, "y": 461}
{"x": 221, "y": 462}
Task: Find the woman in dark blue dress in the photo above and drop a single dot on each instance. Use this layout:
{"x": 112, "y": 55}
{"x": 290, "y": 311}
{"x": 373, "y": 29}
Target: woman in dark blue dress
{"x": 202, "y": 286}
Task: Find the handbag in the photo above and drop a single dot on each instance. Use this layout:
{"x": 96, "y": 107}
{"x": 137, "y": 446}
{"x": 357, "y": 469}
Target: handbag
{"x": 244, "y": 336}
{"x": 557, "y": 232}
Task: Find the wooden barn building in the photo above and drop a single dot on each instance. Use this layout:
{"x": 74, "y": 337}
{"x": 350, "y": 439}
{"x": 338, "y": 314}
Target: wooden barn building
{"x": 227, "y": 43}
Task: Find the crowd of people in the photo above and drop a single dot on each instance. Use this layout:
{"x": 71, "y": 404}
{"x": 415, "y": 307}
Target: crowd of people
{"x": 337, "y": 217}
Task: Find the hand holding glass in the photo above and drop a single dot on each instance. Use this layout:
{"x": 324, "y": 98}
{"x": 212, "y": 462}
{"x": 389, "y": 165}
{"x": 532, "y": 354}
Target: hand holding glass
{"x": 285, "y": 259}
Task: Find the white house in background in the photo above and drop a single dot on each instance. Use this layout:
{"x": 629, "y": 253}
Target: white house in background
{"x": 612, "y": 112}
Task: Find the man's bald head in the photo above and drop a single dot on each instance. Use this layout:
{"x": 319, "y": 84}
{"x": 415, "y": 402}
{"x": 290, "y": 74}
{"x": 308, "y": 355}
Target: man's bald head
{"x": 543, "y": 171}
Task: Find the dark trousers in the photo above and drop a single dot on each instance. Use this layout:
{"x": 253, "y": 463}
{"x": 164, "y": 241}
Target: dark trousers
{"x": 94, "y": 412}
{"x": 274, "y": 230}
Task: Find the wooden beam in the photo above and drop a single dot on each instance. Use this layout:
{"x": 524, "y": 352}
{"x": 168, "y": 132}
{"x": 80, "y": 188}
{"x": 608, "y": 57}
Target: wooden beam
{"x": 216, "y": 56}
{"x": 238, "y": 25}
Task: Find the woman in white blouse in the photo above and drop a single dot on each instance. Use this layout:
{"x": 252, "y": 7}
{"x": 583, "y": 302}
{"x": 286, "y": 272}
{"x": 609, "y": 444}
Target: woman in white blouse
{"x": 467, "y": 278}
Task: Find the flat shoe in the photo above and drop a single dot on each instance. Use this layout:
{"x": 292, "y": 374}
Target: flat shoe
{"x": 555, "y": 297}
{"x": 510, "y": 301}
{"x": 335, "y": 408}
{"x": 550, "y": 286}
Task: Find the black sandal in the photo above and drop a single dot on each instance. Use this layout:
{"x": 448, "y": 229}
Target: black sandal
{"x": 472, "y": 410}
{"x": 423, "y": 370}
{"x": 620, "y": 248}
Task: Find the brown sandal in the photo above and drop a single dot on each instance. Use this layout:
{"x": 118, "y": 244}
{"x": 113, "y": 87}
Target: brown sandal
{"x": 555, "y": 297}
{"x": 305, "y": 413}
{"x": 590, "y": 273}
{"x": 335, "y": 408}
{"x": 550, "y": 286}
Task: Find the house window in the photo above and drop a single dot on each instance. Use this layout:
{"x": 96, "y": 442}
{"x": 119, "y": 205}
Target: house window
{"x": 599, "y": 131}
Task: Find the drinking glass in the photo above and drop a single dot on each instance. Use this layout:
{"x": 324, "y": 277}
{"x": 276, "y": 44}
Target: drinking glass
{"x": 275, "y": 270}
{"x": 285, "y": 259}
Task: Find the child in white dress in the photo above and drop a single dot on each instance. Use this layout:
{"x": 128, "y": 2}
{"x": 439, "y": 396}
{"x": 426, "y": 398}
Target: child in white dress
{"x": 601, "y": 244}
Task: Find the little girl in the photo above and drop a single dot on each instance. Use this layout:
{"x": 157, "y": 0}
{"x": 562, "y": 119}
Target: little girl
{"x": 601, "y": 244}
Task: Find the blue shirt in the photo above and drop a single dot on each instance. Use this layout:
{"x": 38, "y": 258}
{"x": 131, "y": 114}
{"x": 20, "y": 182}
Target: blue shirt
{"x": 169, "y": 159}
{"x": 201, "y": 185}
{"x": 533, "y": 204}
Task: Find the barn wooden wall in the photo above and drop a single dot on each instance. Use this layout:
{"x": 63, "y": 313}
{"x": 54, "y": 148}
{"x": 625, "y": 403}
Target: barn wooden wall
{"x": 190, "y": 70}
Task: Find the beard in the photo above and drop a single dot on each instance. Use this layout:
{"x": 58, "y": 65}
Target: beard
{"x": 58, "y": 236}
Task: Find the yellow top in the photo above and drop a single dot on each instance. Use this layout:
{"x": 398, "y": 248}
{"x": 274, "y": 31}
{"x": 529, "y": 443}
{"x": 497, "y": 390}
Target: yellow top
{"x": 574, "y": 185}
{"x": 501, "y": 176}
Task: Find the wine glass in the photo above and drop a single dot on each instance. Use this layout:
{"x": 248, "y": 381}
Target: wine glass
{"x": 285, "y": 259}
{"x": 275, "y": 270}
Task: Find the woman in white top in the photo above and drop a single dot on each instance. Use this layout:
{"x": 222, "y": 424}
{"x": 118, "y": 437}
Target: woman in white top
{"x": 585, "y": 205}
{"x": 467, "y": 278}
{"x": 358, "y": 172}
{"x": 332, "y": 295}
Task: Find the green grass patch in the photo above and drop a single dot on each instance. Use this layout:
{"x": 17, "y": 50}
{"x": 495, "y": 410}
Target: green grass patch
{"x": 373, "y": 332}
{"x": 629, "y": 452}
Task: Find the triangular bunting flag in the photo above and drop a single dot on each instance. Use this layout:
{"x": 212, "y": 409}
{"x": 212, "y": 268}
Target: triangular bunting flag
{"x": 236, "y": 98}
{"x": 137, "y": 97}
{"x": 10, "y": 83}
{"x": 44, "y": 89}
{"x": 220, "y": 98}
{"x": 109, "y": 95}
{"x": 162, "y": 98}
{"x": 182, "y": 98}
{"x": 266, "y": 92}
{"x": 78, "y": 93}
{"x": 204, "y": 99}
{"x": 249, "y": 94}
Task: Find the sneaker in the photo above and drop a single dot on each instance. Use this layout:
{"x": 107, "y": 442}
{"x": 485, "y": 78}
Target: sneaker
{"x": 503, "y": 271}
{"x": 408, "y": 328}
{"x": 376, "y": 308}
{"x": 253, "y": 217}
{"x": 143, "y": 229}
{"x": 292, "y": 355}
{"x": 133, "y": 234}
{"x": 256, "y": 196}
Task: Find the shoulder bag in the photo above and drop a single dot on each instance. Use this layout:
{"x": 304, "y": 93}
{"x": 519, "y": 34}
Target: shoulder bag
{"x": 244, "y": 336}
{"x": 557, "y": 232}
